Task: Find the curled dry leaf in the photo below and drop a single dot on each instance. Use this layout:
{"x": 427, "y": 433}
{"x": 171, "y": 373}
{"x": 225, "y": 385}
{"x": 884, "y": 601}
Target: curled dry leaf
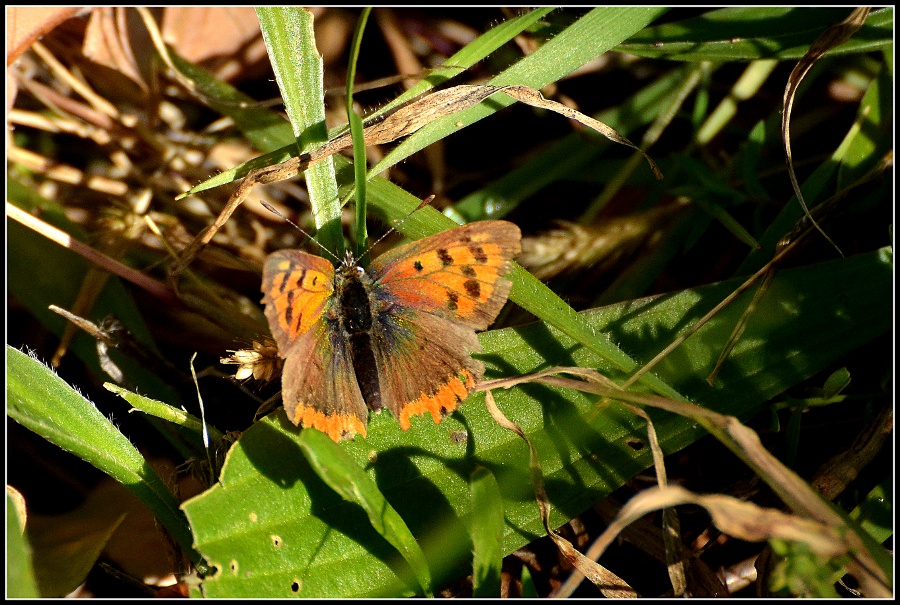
{"x": 111, "y": 40}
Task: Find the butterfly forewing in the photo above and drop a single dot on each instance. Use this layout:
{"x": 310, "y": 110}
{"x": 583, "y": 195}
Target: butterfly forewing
{"x": 456, "y": 274}
{"x": 298, "y": 289}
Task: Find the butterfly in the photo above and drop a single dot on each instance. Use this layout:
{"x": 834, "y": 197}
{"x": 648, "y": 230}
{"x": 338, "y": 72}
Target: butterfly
{"x": 398, "y": 335}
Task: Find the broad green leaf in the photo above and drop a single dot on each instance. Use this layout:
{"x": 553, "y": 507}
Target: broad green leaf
{"x": 332, "y": 464}
{"x": 42, "y": 402}
{"x": 274, "y": 517}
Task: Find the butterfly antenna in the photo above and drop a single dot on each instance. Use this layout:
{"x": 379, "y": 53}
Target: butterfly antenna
{"x": 271, "y": 209}
{"x": 421, "y": 205}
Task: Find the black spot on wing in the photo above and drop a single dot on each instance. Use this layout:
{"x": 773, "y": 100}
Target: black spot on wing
{"x": 444, "y": 257}
{"x": 289, "y": 310}
{"x": 473, "y": 288}
{"x": 478, "y": 252}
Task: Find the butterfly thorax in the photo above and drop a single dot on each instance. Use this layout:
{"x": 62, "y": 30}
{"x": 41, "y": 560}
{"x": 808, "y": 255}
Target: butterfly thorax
{"x": 354, "y": 313}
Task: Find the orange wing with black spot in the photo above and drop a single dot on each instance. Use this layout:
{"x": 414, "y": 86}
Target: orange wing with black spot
{"x": 428, "y": 298}
{"x": 319, "y": 387}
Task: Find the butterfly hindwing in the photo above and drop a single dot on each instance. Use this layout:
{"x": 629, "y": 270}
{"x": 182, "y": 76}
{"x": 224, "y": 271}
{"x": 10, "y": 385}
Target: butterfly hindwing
{"x": 424, "y": 366}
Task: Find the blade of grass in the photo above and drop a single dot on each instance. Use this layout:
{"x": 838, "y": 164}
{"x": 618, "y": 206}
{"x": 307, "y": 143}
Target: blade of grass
{"x": 42, "y": 402}
{"x": 486, "y": 530}
{"x": 587, "y": 38}
{"x": 290, "y": 40}
{"x": 755, "y": 32}
{"x": 359, "y": 142}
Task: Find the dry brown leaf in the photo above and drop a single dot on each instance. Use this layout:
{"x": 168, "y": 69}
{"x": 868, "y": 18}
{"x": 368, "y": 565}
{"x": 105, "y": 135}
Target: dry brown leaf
{"x": 109, "y": 41}
{"x": 25, "y": 24}
{"x": 225, "y": 40}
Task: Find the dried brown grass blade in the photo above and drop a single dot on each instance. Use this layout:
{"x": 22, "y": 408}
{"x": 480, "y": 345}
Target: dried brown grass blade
{"x": 832, "y": 37}
{"x": 609, "y": 584}
{"x": 403, "y": 122}
{"x": 157, "y": 289}
{"x": 743, "y": 520}
{"x": 745, "y": 443}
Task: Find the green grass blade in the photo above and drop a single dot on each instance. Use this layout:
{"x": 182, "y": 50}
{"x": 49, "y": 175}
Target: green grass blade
{"x": 291, "y": 43}
{"x": 164, "y": 411}
{"x": 469, "y": 55}
{"x": 487, "y": 530}
{"x": 587, "y": 38}
{"x": 756, "y": 32}
{"x": 359, "y": 141}
{"x": 266, "y": 129}
{"x": 42, "y": 402}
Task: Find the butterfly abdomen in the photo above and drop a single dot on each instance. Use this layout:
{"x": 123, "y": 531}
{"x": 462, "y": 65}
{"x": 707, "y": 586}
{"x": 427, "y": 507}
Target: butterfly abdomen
{"x": 355, "y": 317}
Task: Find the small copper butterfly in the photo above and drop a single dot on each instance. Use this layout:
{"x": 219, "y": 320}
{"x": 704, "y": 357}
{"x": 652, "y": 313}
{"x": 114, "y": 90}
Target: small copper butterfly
{"x": 397, "y": 335}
